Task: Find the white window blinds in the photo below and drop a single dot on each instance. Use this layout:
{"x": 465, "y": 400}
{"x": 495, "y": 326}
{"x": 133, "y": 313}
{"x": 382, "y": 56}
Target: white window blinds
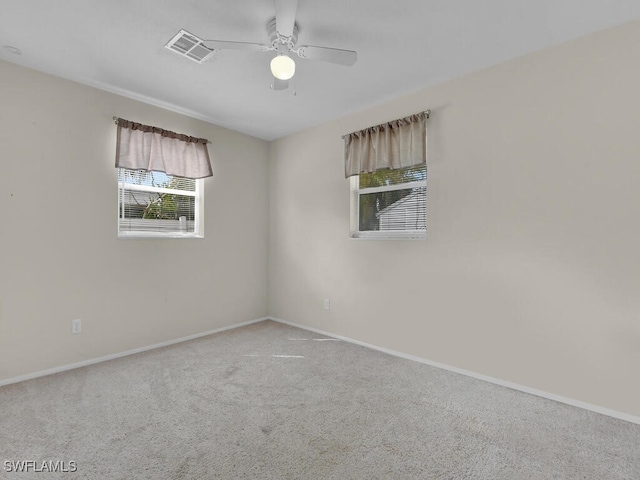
{"x": 391, "y": 203}
{"x": 156, "y": 204}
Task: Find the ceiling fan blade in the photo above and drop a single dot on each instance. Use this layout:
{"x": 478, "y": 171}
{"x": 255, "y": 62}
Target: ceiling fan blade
{"x": 331, "y": 55}
{"x": 225, "y": 45}
{"x": 279, "y": 84}
{"x": 286, "y": 16}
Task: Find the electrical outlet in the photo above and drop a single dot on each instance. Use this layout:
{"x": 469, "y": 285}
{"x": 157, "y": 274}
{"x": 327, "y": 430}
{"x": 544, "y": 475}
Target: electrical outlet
{"x": 327, "y": 304}
{"x": 76, "y": 326}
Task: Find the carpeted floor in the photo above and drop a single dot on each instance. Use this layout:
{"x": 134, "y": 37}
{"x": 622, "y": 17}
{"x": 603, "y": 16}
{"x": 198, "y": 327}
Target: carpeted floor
{"x": 269, "y": 401}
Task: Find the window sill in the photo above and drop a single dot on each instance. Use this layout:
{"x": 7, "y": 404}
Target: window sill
{"x": 389, "y": 236}
{"x": 129, "y": 236}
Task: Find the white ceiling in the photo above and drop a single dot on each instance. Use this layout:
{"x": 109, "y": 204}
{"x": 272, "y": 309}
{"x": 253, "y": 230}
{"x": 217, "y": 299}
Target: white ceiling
{"x": 402, "y": 45}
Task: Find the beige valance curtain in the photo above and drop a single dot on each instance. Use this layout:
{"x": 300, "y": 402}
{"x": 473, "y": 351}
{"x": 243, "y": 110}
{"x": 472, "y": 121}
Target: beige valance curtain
{"x": 397, "y": 144}
{"x": 143, "y": 147}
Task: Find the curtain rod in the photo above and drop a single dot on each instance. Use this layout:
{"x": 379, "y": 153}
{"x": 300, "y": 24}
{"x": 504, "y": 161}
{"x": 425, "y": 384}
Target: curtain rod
{"x": 115, "y": 120}
{"x": 426, "y": 112}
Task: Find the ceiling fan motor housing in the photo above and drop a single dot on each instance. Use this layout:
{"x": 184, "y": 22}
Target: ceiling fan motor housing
{"x": 277, "y": 41}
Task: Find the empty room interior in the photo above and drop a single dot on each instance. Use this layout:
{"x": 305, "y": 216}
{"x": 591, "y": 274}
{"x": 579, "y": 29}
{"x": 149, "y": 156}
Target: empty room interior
{"x": 336, "y": 297}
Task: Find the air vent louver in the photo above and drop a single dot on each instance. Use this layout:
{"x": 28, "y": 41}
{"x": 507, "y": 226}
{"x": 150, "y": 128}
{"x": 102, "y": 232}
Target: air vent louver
{"x": 190, "y": 46}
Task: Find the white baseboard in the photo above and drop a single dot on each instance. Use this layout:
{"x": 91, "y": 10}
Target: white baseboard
{"x": 497, "y": 381}
{"x": 71, "y": 366}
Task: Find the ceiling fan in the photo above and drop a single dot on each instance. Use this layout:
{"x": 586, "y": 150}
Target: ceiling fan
{"x": 283, "y": 38}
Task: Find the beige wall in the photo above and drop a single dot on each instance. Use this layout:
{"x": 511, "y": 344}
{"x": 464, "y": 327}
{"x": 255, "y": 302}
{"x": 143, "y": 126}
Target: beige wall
{"x": 531, "y": 269}
{"x": 59, "y": 255}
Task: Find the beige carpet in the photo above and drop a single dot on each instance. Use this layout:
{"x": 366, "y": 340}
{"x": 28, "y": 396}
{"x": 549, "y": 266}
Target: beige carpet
{"x": 270, "y": 401}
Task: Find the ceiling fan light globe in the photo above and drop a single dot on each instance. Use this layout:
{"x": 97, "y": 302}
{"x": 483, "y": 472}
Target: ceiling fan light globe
{"x": 283, "y": 67}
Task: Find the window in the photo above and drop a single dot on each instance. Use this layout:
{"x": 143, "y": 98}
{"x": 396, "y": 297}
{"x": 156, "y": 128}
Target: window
{"x": 160, "y": 174}
{"x": 387, "y": 164}
{"x": 390, "y": 203}
{"x": 155, "y": 204}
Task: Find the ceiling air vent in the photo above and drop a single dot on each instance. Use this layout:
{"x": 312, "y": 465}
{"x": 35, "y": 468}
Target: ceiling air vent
{"x": 190, "y": 46}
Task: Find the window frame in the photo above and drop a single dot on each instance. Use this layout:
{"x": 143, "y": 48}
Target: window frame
{"x": 198, "y": 194}
{"x": 355, "y": 232}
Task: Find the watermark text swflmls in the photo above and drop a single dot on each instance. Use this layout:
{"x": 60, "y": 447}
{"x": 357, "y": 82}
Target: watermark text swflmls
{"x": 47, "y": 466}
